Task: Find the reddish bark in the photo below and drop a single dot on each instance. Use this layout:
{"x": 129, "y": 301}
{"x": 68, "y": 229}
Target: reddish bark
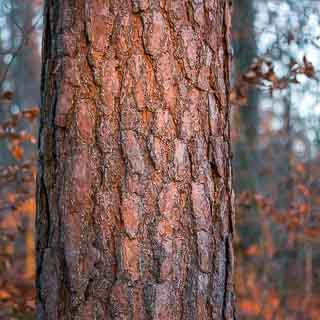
{"x": 135, "y": 209}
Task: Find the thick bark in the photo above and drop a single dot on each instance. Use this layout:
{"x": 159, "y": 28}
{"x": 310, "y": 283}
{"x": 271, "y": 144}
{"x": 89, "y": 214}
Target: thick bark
{"x": 135, "y": 212}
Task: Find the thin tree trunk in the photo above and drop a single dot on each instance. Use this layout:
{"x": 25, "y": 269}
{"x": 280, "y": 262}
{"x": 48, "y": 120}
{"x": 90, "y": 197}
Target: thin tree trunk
{"x": 135, "y": 203}
{"x": 286, "y": 197}
{"x": 308, "y": 276}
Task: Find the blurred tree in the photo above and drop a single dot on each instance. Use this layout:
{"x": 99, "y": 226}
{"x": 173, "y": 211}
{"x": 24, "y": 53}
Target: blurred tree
{"x": 246, "y": 156}
{"x": 19, "y": 81}
{"x": 25, "y": 69}
{"x": 277, "y": 246}
{"x": 135, "y": 214}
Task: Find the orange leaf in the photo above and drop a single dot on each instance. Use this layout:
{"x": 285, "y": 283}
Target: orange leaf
{"x": 304, "y": 190}
{"x": 304, "y": 208}
{"x": 16, "y": 151}
{"x": 300, "y": 168}
{"x": 253, "y": 250}
{"x": 7, "y": 95}
{"x": 4, "y": 295}
{"x": 249, "y": 307}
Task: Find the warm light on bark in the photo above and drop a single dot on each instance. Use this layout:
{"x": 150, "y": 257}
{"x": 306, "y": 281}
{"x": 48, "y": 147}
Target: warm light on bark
{"x": 135, "y": 214}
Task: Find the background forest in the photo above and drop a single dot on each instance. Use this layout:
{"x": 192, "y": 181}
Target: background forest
{"x": 276, "y": 148}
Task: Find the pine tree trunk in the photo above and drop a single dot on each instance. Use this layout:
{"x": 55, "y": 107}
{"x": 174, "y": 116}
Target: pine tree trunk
{"x": 135, "y": 203}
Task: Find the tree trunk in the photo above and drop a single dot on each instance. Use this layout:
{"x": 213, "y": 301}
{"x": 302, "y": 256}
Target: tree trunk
{"x": 246, "y": 162}
{"x": 25, "y": 71}
{"x": 135, "y": 213}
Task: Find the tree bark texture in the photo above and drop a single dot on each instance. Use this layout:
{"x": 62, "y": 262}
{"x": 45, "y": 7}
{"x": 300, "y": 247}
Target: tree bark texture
{"x": 135, "y": 212}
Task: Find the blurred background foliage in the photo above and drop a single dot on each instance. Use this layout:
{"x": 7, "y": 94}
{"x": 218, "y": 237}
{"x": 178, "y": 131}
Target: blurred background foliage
{"x": 276, "y": 158}
{"x": 276, "y": 147}
{"x": 20, "y": 65}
